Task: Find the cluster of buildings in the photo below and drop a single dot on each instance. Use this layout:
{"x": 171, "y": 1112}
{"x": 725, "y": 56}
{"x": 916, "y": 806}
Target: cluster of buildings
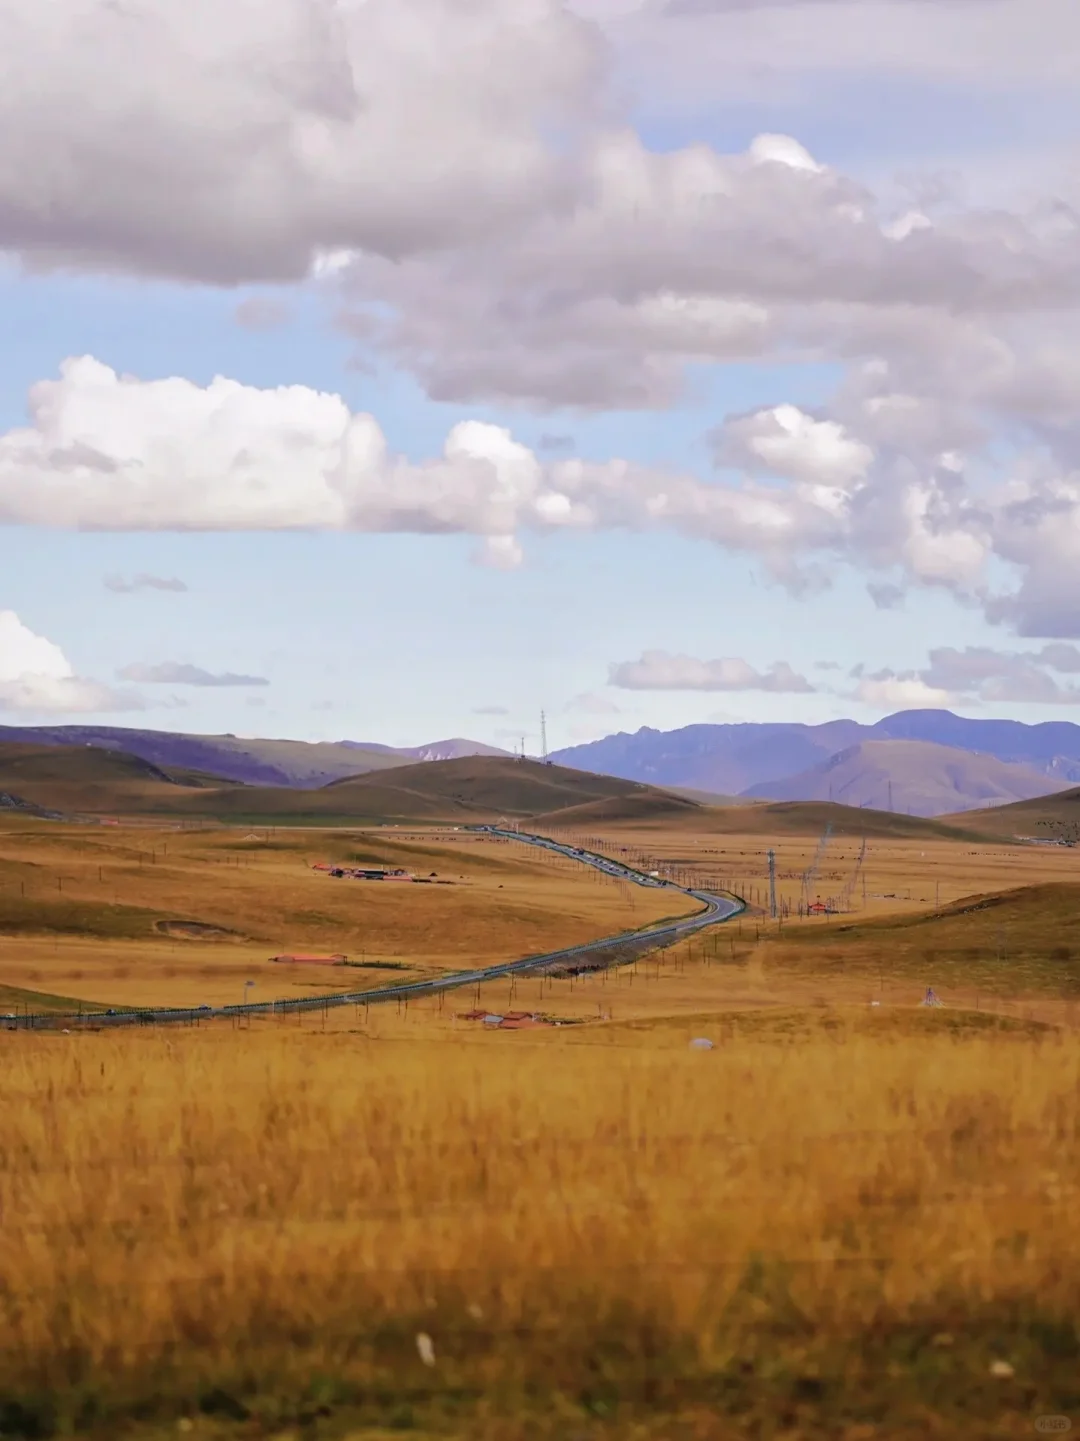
{"x": 508, "y": 1020}
{"x": 364, "y": 873}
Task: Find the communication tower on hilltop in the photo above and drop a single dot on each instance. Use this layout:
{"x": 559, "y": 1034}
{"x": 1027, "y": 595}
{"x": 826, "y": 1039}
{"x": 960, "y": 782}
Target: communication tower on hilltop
{"x": 543, "y": 739}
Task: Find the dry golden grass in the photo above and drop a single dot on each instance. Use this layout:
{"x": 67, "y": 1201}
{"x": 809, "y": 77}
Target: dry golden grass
{"x": 843, "y": 1221}
{"x": 901, "y": 876}
{"x": 847, "y": 1237}
{"x": 81, "y": 908}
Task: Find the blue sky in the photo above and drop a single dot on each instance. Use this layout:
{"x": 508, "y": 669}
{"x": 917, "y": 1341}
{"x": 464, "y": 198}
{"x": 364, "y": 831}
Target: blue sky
{"x": 374, "y": 630}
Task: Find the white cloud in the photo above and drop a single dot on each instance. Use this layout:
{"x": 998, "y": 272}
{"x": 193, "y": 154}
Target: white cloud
{"x": 181, "y": 673}
{"x": 660, "y": 670}
{"x": 784, "y": 440}
{"x": 109, "y": 452}
{"x": 36, "y": 676}
{"x": 900, "y": 692}
{"x": 229, "y": 140}
{"x": 977, "y": 675}
{"x": 103, "y": 451}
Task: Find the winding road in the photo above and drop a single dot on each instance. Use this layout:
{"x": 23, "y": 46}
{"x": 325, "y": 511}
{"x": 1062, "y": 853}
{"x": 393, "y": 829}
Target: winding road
{"x": 612, "y": 950}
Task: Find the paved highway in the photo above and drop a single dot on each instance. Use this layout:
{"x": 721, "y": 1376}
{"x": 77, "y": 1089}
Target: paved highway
{"x": 615, "y": 950}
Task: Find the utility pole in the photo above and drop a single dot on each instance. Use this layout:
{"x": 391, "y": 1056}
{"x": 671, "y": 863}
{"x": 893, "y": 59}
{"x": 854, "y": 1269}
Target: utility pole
{"x": 771, "y": 856}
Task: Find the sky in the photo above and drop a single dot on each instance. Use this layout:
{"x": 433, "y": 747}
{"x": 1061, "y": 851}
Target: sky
{"x": 390, "y": 372}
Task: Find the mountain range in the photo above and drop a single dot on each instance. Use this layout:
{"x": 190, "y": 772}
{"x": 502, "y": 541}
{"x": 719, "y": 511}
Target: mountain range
{"x": 921, "y": 762}
{"x": 917, "y": 762}
{"x": 305, "y": 765}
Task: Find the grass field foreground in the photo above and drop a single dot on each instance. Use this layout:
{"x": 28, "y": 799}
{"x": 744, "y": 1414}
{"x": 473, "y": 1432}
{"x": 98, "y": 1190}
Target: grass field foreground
{"x": 847, "y": 1233}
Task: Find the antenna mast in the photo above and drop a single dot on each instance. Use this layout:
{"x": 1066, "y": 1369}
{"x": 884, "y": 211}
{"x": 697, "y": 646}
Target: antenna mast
{"x": 543, "y": 738}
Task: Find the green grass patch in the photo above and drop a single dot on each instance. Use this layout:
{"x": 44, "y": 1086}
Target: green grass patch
{"x": 24, "y": 916}
{"x": 18, "y": 1000}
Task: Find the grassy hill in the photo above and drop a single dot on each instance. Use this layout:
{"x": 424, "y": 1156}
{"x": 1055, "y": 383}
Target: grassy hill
{"x": 478, "y": 786}
{"x": 1055, "y": 817}
{"x": 650, "y": 807}
{"x": 1006, "y": 943}
{"x": 809, "y": 818}
{"x": 85, "y": 780}
{"x": 250, "y": 761}
{"x": 912, "y": 777}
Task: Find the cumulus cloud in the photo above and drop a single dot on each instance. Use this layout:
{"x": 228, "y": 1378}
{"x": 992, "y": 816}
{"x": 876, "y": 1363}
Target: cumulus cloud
{"x": 178, "y": 673}
{"x": 660, "y": 670}
{"x": 982, "y": 673}
{"x": 677, "y": 258}
{"x": 975, "y": 675}
{"x": 36, "y": 676}
{"x": 480, "y": 215}
{"x": 119, "y": 585}
{"x": 223, "y": 141}
{"x": 900, "y": 691}
{"x": 784, "y": 440}
{"x": 104, "y": 451}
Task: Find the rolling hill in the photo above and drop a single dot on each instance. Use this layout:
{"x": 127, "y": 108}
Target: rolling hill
{"x": 302, "y": 764}
{"x": 1007, "y": 942}
{"x": 73, "y": 780}
{"x": 809, "y": 818}
{"x": 482, "y": 786}
{"x": 252, "y": 762}
{"x": 84, "y": 780}
{"x": 1054, "y": 817}
{"x": 911, "y": 777}
{"x": 457, "y": 748}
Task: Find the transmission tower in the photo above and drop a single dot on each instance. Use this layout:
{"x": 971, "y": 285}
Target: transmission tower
{"x": 849, "y": 888}
{"x": 810, "y": 873}
{"x": 543, "y": 739}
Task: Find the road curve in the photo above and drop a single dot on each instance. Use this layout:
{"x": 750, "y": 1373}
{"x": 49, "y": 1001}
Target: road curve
{"x": 615, "y": 950}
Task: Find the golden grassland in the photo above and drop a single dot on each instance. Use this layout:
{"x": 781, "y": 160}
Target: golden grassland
{"x": 847, "y": 1235}
{"x": 900, "y": 875}
{"x": 847, "y": 1220}
{"x": 85, "y": 912}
